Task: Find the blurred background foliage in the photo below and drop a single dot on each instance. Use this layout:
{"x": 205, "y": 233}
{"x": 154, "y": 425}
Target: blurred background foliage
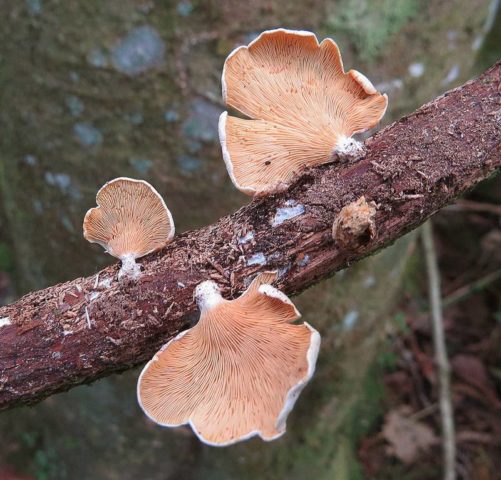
{"x": 93, "y": 90}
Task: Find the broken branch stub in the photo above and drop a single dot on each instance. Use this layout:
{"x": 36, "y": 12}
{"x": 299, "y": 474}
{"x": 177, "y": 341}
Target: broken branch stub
{"x": 355, "y": 224}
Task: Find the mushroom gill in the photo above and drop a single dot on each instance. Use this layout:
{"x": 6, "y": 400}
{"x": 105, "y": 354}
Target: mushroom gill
{"x": 130, "y": 221}
{"x": 302, "y": 107}
{"x": 238, "y": 372}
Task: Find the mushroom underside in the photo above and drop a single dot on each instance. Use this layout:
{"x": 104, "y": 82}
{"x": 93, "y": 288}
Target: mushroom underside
{"x": 237, "y": 373}
{"x": 131, "y": 219}
{"x": 300, "y": 105}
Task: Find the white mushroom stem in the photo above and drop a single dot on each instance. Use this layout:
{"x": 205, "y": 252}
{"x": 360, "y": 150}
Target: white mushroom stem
{"x": 348, "y": 149}
{"x": 207, "y": 295}
{"x": 129, "y": 267}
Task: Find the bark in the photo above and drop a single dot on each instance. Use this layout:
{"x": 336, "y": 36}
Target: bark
{"x": 81, "y": 330}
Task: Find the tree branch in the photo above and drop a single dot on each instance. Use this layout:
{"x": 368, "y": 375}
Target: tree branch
{"x": 81, "y": 330}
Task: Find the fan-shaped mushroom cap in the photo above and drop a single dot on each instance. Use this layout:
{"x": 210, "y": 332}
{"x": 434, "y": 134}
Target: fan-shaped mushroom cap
{"x": 131, "y": 220}
{"x": 238, "y": 372}
{"x": 303, "y": 108}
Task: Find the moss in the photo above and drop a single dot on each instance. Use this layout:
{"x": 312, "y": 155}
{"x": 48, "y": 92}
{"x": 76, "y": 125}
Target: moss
{"x": 45, "y": 462}
{"x": 399, "y": 321}
{"x": 370, "y": 25}
{"x": 387, "y": 360}
{"x": 345, "y": 465}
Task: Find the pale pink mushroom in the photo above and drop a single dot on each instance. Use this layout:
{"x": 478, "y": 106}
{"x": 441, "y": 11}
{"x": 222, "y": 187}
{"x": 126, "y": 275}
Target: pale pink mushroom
{"x": 302, "y": 107}
{"x": 238, "y": 372}
{"x": 131, "y": 220}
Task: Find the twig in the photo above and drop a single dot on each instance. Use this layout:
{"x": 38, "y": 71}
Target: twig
{"x": 471, "y": 206}
{"x": 475, "y": 286}
{"x": 415, "y": 417}
{"x": 447, "y": 414}
{"x": 87, "y": 317}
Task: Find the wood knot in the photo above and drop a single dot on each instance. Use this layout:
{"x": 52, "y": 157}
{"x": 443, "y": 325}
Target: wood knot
{"x": 354, "y": 226}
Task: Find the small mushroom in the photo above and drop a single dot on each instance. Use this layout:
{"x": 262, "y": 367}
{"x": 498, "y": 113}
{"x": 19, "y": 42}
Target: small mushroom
{"x": 302, "y": 107}
{"x": 235, "y": 374}
{"x": 130, "y": 221}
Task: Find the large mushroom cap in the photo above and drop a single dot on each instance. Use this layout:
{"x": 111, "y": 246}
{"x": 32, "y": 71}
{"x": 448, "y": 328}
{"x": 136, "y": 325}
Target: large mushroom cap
{"x": 238, "y": 372}
{"x": 131, "y": 219}
{"x": 302, "y": 108}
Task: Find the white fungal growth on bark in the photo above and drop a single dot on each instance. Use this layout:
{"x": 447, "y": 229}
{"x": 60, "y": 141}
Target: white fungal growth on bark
{"x": 4, "y": 321}
{"x": 246, "y": 238}
{"x": 105, "y": 283}
{"x": 348, "y": 149}
{"x": 257, "y": 259}
{"x": 129, "y": 267}
{"x": 291, "y": 210}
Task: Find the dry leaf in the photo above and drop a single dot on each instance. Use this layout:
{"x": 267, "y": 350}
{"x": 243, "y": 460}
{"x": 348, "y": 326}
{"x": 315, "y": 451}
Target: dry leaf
{"x": 472, "y": 370}
{"x": 406, "y": 437}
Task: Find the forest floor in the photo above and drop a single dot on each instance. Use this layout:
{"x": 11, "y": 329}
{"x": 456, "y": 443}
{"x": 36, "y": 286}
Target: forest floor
{"x": 406, "y": 442}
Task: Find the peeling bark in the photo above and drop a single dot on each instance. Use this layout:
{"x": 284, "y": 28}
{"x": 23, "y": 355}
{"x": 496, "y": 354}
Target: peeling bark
{"x": 81, "y": 330}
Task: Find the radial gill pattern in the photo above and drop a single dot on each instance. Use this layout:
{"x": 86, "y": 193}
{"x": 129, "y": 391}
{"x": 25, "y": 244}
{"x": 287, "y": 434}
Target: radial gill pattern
{"x": 237, "y": 373}
{"x": 300, "y": 105}
{"x": 131, "y": 219}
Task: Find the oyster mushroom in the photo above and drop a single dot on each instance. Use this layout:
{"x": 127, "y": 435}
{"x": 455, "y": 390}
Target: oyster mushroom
{"x": 303, "y": 109}
{"x": 238, "y": 372}
{"x": 130, "y": 221}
